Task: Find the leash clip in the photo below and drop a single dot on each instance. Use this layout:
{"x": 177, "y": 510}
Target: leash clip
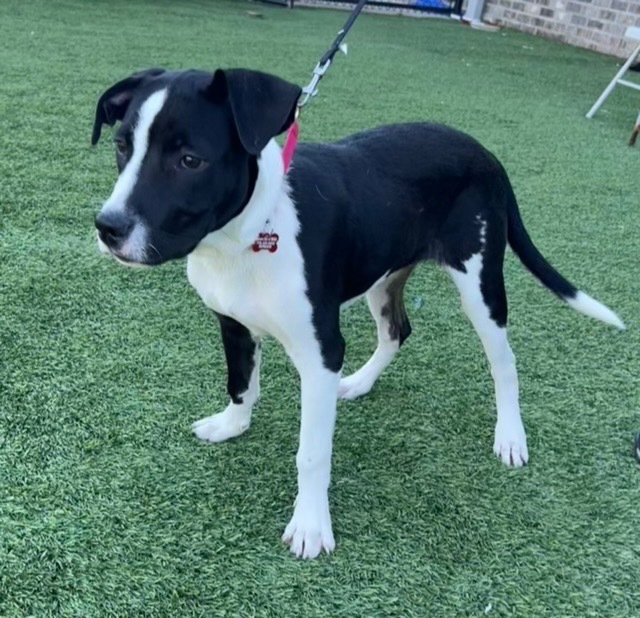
{"x": 310, "y": 90}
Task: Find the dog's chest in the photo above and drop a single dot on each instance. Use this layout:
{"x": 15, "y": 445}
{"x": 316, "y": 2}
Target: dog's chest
{"x": 260, "y": 290}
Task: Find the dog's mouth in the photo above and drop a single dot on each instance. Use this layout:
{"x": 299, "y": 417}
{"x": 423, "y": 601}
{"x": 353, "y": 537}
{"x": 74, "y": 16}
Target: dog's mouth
{"x": 150, "y": 254}
{"x": 121, "y": 258}
{"x": 127, "y": 262}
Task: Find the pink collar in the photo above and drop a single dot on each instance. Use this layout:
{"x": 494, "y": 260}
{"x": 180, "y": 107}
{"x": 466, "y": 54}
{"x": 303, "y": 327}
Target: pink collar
{"x": 290, "y": 145}
{"x": 267, "y": 239}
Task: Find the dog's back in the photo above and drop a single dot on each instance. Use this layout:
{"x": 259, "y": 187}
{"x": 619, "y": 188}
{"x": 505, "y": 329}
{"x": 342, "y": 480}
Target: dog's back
{"x": 392, "y": 196}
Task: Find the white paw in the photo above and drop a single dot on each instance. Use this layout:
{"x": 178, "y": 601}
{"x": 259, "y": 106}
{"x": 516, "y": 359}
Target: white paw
{"x": 309, "y": 531}
{"x": 355, "y": 385}
{"x": 511, "y": 444}
{"x": 220, "y": 427}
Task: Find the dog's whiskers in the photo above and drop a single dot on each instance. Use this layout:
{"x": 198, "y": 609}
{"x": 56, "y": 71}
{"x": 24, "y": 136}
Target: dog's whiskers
{"x": 151, "y": 245}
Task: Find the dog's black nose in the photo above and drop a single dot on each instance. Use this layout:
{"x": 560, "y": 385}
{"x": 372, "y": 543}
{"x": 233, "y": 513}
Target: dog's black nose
{"x": 113, "y": 227}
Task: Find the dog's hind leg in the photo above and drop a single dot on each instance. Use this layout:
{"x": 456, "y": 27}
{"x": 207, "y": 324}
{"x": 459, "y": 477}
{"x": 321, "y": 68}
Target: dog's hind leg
{"x": 386, "y": 304}
{"x": 480, "y": 282}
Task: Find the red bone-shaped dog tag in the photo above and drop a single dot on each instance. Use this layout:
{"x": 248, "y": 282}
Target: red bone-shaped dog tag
{"x": 266, "y": 241}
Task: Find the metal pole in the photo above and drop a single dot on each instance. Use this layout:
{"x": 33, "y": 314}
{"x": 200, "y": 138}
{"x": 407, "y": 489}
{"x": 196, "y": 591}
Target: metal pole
{"x": 473, "y": 14}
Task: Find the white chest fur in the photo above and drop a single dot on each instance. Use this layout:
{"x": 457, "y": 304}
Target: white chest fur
{"x": 256, "y": 289}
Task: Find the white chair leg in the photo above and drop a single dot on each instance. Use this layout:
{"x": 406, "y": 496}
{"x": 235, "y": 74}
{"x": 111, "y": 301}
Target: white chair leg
{"x": 614, "y": 81}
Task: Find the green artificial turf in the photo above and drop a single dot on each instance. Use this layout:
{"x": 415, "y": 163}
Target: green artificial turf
{"x": 109, "y": 506}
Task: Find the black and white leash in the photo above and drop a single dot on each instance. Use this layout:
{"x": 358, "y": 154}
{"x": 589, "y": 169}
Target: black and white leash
{"x": 311, "y": 89}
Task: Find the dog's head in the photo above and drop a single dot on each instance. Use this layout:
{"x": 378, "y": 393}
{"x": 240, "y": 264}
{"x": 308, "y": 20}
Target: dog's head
{"x": 187, "y": 152}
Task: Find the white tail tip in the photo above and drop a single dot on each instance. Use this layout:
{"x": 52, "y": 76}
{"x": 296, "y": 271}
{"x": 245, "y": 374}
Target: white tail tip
{"x": 591, "y": 307}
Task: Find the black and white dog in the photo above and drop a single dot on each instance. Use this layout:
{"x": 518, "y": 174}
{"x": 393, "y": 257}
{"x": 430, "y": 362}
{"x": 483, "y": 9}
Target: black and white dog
{"x": 277, "y": 252}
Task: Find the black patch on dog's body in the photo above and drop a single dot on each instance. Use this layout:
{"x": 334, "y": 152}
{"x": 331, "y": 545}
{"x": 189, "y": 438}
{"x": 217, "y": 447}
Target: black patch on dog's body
{"x": 363, "y": 215}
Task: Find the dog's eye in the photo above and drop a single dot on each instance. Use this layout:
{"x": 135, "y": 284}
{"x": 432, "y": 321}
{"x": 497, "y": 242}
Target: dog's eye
{"x": 121, "y": 146}
{"x": 191, "y": 162}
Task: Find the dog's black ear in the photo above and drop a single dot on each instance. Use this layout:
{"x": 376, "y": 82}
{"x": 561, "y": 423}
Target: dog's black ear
{"x": 263, "y": 105}
{"x": 113, "y": 103}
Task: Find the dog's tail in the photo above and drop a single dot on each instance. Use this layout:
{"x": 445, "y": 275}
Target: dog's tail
{"x": 523, "y": 247}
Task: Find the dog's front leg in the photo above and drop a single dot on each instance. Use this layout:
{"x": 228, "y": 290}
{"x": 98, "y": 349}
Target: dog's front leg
{"x": 309, "y": 531}
{"x": 242, "y": 351}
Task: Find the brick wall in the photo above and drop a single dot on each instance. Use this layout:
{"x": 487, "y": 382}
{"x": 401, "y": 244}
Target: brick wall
{"x": 594, "y": 24}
